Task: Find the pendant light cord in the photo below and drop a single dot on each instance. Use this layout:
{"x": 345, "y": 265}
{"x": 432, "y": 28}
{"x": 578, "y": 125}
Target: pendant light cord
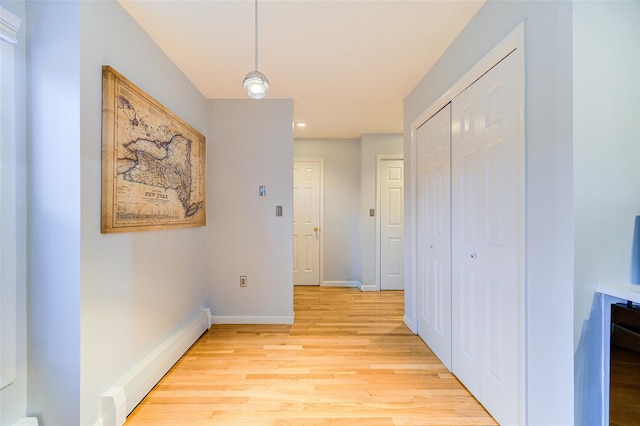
{"x": 256, "y": 32}
{"x": 256, "y": 83}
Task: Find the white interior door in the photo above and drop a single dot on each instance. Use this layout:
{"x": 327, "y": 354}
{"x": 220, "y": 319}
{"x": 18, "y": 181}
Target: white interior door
{"x": 391, "y": 181}
{"x": 433, "y": 145}
{"x": 488, "y": 240}
{"x": 306, "y": 221}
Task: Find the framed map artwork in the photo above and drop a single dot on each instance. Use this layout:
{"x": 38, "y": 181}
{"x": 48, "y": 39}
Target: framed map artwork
{"x": 153, "y": 163}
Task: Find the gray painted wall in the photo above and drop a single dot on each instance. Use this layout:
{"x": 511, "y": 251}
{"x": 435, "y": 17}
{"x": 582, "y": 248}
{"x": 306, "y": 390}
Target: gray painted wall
{"x": 606, "y": 168}
{"x": 251, "y": 145}
{"x": 136, "y": 288}
{"x": 98, "y": 303}
{"x": 54, "y": 181}
{"x": 549, "y": 185}
{"x": 112, "y": 298}
{"x": 13, "y": 399}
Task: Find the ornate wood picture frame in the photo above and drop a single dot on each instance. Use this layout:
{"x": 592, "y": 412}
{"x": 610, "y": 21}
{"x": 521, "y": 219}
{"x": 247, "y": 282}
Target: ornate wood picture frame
{"x": 153, "y": 163}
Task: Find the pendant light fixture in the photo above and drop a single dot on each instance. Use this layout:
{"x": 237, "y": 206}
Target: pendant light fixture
{"x": 256, "y": 83}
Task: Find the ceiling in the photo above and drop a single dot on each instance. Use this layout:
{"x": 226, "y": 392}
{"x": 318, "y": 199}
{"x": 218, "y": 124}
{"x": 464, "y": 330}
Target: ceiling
{"x": 347, "y": 65}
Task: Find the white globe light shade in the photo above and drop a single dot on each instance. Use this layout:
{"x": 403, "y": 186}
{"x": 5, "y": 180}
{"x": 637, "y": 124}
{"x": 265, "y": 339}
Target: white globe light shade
{"x": 256, "y": 85}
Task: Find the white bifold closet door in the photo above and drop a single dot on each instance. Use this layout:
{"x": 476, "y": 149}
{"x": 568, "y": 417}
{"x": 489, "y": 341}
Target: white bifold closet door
{"x": 487, "y": 238}
{"x": 433, "y": 148}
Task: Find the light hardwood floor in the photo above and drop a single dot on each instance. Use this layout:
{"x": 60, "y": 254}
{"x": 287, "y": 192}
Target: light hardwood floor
{"x": 348, "y": 360}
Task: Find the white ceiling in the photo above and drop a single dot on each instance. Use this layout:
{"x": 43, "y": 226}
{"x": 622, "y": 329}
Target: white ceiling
{"x": 347, "y": 65}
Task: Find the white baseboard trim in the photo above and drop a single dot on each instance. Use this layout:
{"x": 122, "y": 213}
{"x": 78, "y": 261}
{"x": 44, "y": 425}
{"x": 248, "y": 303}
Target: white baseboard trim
{"x": 251, "y": 319}
{"x": 368, "y": 287}
{"x": 126, "y": 393}
{"x": 394, "y": 288}
{"x": 27, "y": 421}
{"x": 412, "y": 326}
{"x": 340, "y": 283}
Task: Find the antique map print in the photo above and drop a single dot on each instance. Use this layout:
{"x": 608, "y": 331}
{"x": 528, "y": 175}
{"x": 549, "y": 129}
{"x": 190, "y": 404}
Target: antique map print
{"x": 153, "y": 163}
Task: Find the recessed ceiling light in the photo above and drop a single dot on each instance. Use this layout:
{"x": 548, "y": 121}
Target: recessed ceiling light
{"x": 299, "y": 124}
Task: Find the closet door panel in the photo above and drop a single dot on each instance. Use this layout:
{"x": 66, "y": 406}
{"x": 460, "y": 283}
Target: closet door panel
{"x": 466, "y": 222}
{"x": 487, "y": 240}
{"x": 434, "y": 233}
{"x": 502, "y": 372}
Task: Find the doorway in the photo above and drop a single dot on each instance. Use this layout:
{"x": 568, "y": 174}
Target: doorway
{"x": 307, "y": 221}
{"x": 390, "y": 223}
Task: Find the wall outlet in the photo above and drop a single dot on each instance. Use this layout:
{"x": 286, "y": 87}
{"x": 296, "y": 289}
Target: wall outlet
{"x": 243, "y": 280}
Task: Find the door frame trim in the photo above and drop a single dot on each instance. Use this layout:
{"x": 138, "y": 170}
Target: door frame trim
{"x": 513, "y": 41}
{"x": 321, "y": 217}
{"x": 379, "y": 159}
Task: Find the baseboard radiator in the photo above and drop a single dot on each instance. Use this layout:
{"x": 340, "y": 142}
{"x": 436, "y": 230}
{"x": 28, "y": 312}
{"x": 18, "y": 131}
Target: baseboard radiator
{"x": 126, "y": 393}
